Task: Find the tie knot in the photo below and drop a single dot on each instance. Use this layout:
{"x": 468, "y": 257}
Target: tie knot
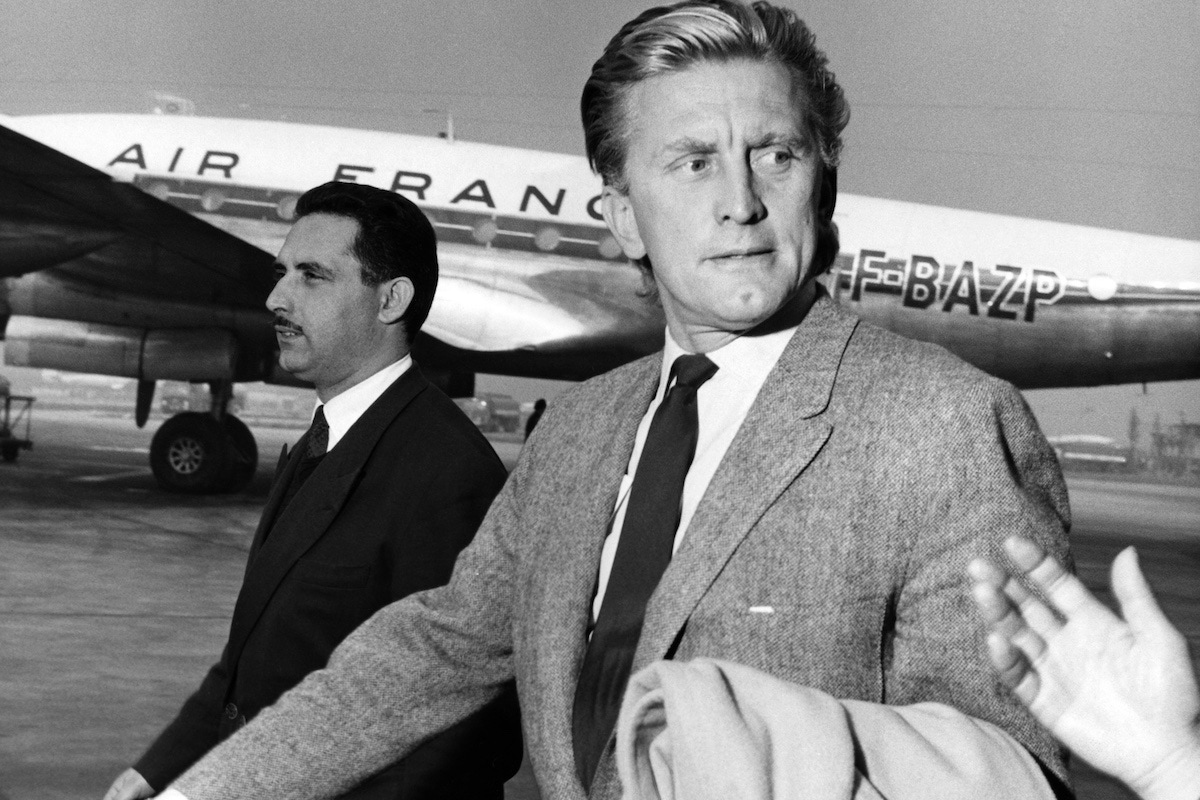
{"x": 318, "y": 434}
{"x": 692, "y": 371}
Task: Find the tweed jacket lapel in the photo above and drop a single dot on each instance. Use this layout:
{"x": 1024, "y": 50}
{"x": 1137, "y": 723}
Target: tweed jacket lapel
{"x": 755, "y": 471}
{"x": 315, "y": 506}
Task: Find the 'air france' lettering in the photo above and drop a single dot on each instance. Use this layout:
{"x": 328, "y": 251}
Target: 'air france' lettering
{"x": 476, "y": 193}
{"x": 221, "y": 161}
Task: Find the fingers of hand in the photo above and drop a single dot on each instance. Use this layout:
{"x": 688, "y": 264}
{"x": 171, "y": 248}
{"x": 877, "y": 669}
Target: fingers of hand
{"x": 1042, "y": 570}
{"x": 1138, "y": 606}
{"x": 1010, "y": 610}
{"x": 1027, "y": 692}
{"x": 1013, "y": 667}
{"x": 1025, "y": 553}
{"x": 997, "y": 611}
{"x": 1029, "y": 639}
{"x": 1066, "y": 592}
{"x": 983, "y": 571}
{"x": 1009, "y": 662}
{"x": 1028, "y": 609}
{"x": 1012, "y": 643}
{"x": 986, "y": 589}
{"x": 1040, "y": 620}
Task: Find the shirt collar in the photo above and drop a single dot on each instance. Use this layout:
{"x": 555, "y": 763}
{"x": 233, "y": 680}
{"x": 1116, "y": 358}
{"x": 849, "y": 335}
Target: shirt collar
{"x": 343, "y": 411}
{"x": 746, "y": 360}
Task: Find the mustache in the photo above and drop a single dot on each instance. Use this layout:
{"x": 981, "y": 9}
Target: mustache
{"x": 283, "y": 322}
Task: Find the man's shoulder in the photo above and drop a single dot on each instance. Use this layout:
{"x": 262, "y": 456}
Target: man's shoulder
{"x": 579, "y": 422}
{"x": 615, "y": 381}
{"x": 580, "y": 408}
{"x": 888, "y": 361}
{"x": 889, "y": 382}
{"x": 441, "y": 427}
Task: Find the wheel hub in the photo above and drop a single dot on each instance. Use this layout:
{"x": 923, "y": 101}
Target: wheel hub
{"x": 185, "y": 455}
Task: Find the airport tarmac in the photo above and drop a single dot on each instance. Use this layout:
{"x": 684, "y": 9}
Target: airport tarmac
{"x": 115, "y": 597}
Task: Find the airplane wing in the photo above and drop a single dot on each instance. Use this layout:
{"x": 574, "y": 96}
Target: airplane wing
{"x": 59, "y": 214}
{"x": 97, "y": 275}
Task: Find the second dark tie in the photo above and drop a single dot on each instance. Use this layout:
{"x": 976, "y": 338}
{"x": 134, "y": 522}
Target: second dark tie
{"x": 643, "y": 552}
{"x": 314, "y": 452}
{"x": 318, "y": 435}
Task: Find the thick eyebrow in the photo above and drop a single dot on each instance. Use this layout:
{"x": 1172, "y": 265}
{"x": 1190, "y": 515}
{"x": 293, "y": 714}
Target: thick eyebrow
{"x": 307, "y": 266}
{"x": 687, "y": 144}
{"x": 791, "y": 141}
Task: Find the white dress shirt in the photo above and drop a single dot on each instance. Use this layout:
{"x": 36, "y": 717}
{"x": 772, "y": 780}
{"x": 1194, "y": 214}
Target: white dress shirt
{"x": 341, "y": 412}
{"x": 722, "y": 405}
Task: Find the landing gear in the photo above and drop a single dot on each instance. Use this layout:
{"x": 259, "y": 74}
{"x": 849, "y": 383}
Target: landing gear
{"x": 190, "y": 453}
{"x": 204, "y": 452}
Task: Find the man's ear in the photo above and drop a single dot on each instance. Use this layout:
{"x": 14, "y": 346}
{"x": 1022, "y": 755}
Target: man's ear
{"x": 618, "y": 215}
{"x": 395, "y": 295}
{"x": 828, "y": 199}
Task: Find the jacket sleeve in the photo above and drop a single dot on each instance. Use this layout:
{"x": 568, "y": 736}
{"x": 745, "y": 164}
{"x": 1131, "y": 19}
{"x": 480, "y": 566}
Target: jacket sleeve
{"x": 413, "y": 669}
{"x": 995, "y": 476}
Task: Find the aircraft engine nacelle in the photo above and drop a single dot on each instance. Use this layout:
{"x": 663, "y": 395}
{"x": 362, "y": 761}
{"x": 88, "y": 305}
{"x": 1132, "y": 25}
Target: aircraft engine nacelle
{"x": 182, "y": 354}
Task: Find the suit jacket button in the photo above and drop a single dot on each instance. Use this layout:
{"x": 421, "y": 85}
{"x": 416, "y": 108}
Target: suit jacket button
{"x": 231, "y": 711}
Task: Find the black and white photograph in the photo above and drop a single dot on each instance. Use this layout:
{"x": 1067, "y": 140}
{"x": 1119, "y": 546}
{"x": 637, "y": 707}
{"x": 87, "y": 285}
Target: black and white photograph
{"x": 563, "y": 400}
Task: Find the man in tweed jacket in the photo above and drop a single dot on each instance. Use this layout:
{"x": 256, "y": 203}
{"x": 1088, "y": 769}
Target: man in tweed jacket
{"x": 843, "y": 476}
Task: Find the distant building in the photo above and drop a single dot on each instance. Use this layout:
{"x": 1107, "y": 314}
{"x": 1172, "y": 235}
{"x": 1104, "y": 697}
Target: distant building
{"x": 1176, "y": 450}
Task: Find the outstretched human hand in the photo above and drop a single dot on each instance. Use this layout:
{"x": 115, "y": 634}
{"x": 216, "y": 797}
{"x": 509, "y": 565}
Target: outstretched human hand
{"x": 1120, "y": 693}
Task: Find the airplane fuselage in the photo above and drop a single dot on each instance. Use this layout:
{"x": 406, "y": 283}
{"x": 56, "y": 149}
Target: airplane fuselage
{"x": 533, "y": 283}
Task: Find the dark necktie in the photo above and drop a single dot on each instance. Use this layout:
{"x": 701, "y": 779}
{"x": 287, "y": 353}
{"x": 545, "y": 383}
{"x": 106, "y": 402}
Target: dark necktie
{"x": 643, "y": 552}
{"x": 318, "y": 435}
{"x": 318, "y": 443}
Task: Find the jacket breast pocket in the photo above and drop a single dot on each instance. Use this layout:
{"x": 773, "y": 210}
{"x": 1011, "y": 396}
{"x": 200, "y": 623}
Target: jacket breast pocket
{"x": 332, "y": 576}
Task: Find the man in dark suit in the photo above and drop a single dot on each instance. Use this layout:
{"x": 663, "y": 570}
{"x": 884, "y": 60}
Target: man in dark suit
{"x": 373, "y": 503}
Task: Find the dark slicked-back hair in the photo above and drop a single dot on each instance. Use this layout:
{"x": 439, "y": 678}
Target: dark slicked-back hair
{"x": 672, "y": 38}
{"x": 395, "y": 240}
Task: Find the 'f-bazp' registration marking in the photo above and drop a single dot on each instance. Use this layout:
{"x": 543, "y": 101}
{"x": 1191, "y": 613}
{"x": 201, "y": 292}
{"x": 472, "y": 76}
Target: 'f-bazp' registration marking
{"x": 1000, "y": 292}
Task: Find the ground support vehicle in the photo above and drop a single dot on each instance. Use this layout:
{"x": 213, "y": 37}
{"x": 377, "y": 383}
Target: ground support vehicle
{"x": 17, "y": 420}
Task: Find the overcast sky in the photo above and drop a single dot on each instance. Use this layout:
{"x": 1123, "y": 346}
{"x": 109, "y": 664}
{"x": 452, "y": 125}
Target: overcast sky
{"x": 1084, "y": 111}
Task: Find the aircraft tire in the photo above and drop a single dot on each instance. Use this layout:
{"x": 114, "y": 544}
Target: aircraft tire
{"x": 190, "y": 454}
{"x": 243, "y": 454}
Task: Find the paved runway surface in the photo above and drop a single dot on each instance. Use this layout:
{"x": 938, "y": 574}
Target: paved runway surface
{"x": 115, "y": 597}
